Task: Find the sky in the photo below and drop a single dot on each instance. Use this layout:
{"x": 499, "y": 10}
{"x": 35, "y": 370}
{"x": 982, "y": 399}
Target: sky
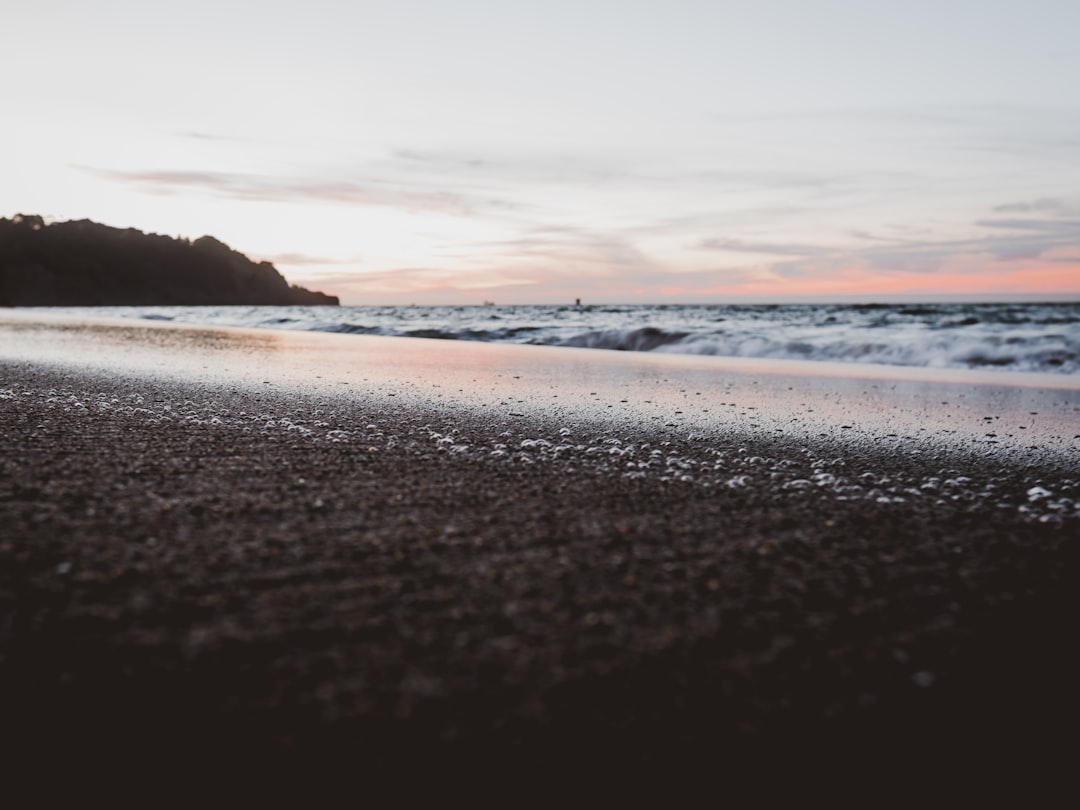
{"x": 461, "y": 151}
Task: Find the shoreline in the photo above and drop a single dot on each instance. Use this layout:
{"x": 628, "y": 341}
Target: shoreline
{"x": 214, "y": 547}
{"x": 1014, "y": 338}
{"x": 84, "y": 319}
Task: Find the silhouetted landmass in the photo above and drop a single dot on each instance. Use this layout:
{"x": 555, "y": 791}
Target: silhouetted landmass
{"x": 83, "y": 263}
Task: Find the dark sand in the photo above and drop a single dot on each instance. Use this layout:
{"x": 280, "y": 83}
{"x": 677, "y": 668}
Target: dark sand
{"x": 268, "y": 563}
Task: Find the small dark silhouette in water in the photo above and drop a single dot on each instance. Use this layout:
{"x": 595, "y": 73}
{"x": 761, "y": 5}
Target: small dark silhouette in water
{"x": 577, "y": 302}
{"x": 83, "y": 263}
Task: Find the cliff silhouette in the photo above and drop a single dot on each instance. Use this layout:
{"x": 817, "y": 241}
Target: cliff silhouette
{"x": 84, "y": 263}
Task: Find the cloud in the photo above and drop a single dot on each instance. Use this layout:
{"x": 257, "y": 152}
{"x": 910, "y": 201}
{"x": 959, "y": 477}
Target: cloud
{"x": 1045, "y": 205}
{"x": 1066, "y": 255}
{"x": 771, "y": 249}
{"x": 543, "y": 169}
{"x": 1005, "y": 242}
{"x": 569, "y": 256}
{"x": 509, "y": 283}
{"x": 952, "y": 114}
{"x": 602, "y": 170}
{"x": 445, "y": 160}
{"x": 263, "y": 188}
{"x": 1066, "y": 228}
{"x": 303, "y": 259}
{"x": 209, "y": 136}
{"x": 1009, "y": 239}
{"x": 398, "y": 280}
{"x": 974, "y": 276}
{"x": 551, "y": 263}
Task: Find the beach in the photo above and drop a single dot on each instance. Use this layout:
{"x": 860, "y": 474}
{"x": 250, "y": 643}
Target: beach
{"x": 372, "y": 556}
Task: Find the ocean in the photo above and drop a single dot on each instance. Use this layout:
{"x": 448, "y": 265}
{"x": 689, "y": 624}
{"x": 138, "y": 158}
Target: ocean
{"x": 1042, "y": 337}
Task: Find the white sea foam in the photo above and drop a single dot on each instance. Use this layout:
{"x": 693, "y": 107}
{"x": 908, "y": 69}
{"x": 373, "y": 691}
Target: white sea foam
{"x": 1007, "y": 337}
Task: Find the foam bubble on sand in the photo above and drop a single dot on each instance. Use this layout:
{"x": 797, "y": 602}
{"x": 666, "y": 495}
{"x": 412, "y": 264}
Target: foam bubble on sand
{"x": 704, "y": 463}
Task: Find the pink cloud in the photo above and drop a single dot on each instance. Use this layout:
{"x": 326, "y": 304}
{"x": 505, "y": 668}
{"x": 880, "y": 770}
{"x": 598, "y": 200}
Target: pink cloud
{"x": 965, "y": 274}
{"x": 968, "y": 275}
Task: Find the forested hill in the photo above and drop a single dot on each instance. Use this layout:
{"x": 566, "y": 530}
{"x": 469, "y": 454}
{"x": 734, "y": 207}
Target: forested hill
{"x": 83, "y": 263}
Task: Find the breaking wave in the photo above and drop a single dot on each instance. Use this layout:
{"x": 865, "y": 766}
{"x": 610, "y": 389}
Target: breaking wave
{"x": 1002, "y": 337}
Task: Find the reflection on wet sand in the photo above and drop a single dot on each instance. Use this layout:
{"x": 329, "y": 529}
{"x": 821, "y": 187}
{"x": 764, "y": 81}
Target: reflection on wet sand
{"x": 96, "y": 343}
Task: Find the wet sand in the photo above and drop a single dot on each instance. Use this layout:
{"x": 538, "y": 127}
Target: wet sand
{"x": 239, "y": 552}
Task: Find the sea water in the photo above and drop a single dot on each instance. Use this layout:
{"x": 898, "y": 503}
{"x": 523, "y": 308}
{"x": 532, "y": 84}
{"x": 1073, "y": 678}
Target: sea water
{"x": 1007, "y": 337}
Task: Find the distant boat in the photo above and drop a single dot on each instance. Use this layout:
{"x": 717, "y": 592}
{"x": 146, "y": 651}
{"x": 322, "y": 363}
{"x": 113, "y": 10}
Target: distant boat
{"x": 489, "y": 303}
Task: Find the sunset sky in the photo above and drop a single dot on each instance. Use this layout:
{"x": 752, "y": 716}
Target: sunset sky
{"x": 446, "y": 151}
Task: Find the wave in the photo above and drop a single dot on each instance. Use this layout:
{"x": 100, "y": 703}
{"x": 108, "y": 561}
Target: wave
{"x": 1004, "y": 337}
{"x": 347, "y": 329}
{"x": 646, "y": 339}
{"x": 1053, "y": 353}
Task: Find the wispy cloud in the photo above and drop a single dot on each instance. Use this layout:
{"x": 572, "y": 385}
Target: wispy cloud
{"x": 265, "y": 188}
{"x": 571, "y": 248}
{"x": 1002, "y": 238}
{"x": 304, "y": 260}
{"x": 766, "y": 248}
{"x": 512, "y": 169}
{"x": 953, "y": 114}
{"x": 1044, "y": 205}
{"x": 585, "y": 170}
{"x": 1064, "y": 228}
{"x": 997, "y": 255}
{"x": 210, "y": 136}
